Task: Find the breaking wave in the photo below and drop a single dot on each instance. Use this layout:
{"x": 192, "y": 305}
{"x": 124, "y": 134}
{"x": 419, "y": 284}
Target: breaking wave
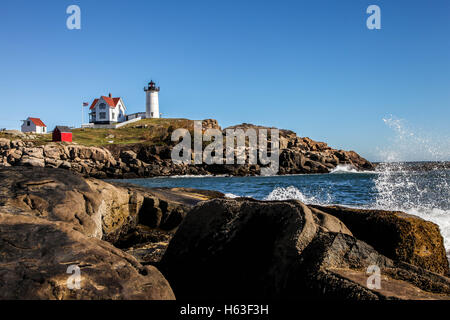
{"x": 344, "y": 168}
{"x": 289, "y": 193}
{"x": 199, "y": 176}
{"x": 424, "y": 193}
{"x": 231, "y": 195}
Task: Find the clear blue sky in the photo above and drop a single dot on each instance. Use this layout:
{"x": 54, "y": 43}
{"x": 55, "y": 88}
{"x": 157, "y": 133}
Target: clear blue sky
{"x": 309, "y": 66}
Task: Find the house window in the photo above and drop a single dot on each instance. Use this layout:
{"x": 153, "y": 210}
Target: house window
{"x": 102, "y": 115}
{"x": 102, "y": 106}
{"x": 28, "y": 123}
{"x": 113, "y": 115}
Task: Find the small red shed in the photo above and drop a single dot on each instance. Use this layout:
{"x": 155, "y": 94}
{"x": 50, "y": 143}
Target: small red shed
{"x": 62, "y": 133}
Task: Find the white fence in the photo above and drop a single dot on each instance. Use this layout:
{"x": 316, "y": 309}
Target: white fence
{"x": 128, "y": 122}
{"x": 109, "y": 126}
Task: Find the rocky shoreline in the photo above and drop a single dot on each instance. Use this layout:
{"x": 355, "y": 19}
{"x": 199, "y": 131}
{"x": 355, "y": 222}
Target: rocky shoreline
{"x": 132, "y": 242}
{"x": 141, "y": 160}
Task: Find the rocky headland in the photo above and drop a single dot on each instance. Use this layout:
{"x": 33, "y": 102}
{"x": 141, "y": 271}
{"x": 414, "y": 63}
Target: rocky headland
{"x": 152, "y": 156}
{"x": 137, "y": 243}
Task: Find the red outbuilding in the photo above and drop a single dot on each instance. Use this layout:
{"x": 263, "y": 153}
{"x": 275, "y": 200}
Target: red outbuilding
{"x": 62, "y": 133}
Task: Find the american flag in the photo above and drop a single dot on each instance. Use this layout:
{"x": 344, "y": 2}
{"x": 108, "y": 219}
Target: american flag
{"x": 85, "y": 104}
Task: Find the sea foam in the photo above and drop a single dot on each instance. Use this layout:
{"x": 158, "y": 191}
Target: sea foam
{"x": 289, "y": 193}
{"x": 344, "y": 168}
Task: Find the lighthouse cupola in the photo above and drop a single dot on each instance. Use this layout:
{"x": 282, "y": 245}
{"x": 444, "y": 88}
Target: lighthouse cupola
{"x": 152, "y": 100}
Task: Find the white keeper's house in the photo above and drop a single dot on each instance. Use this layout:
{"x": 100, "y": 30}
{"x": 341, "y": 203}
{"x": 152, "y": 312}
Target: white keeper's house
{"x": 34, "y": 125}
{"x": 107, "y": 110}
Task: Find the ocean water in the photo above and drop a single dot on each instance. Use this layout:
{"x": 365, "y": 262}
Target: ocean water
{"x": 425, "y": 193}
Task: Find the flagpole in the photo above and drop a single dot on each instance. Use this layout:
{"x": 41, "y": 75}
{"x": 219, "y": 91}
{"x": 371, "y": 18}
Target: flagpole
{"x": 84, "y": 104}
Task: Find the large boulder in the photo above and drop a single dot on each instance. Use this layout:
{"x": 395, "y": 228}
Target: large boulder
{"x": 34, "y": 152}
{"x": 5, "y": 143}
{"x": 52, "y": 218}
{"x": 94, "y": 207}
{"x": 54, "y": 151}
{"x": 397, "y": 235}
{"x": 53, "y": 194}
{"x": 130, "y": 217}
{"x": 244, "y": 248}
{"x": 32, "y": 162}
{"x": 36, "y": 255}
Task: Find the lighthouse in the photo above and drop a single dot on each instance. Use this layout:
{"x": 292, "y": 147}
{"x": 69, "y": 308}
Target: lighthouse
{"x": 152, "y": 100}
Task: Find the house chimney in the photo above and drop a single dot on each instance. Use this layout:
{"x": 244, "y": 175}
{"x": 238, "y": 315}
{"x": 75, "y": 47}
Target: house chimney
{"x": 110, "y": 95}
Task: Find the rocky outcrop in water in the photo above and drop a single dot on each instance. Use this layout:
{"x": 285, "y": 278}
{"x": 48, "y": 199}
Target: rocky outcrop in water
{"x": 285, "y": 250}
{"x": 297, "y": 155}
{"x": 303, "y": 155}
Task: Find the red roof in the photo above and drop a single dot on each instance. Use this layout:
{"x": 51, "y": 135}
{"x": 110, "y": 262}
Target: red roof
{"x": 93, "y": 104}
{"x": 112, "y": 102}
{"x": 37, "y": 122}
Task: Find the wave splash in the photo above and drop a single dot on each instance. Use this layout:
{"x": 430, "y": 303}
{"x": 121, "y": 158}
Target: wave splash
{"x": 422, "y": 193}
{"x": 414, "y": 144}
{"x": 425, "y": 194}
{"x": 231, "y": 195}
{"x": 344, "y": 168}
{"x": 290, "y": 193}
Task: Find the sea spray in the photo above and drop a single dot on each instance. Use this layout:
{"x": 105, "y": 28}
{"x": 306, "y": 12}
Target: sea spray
{"x": 231, "y": 195}
{"x": 289, "y": 193}
{"x": 414, "y": 144}
{"x": 422, "y": 193}
{"x": 344, "y": 168}
{"x": 425, "y": 193}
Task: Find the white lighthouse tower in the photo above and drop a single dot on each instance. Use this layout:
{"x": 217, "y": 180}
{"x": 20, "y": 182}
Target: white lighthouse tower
{"x": 152, "y": 100}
